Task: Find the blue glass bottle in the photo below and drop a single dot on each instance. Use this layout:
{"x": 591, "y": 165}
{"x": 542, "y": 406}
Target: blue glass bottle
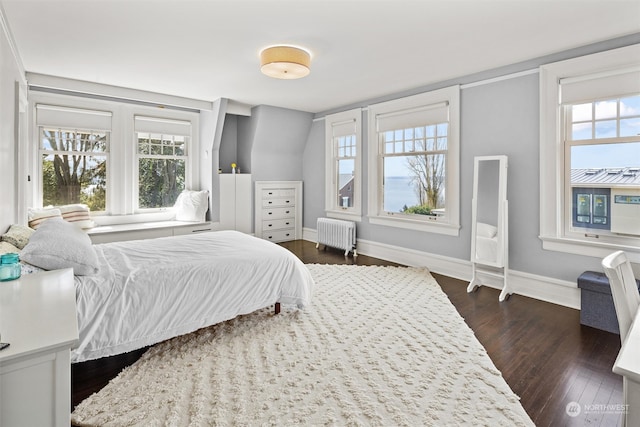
{"x": 9, "y": 267}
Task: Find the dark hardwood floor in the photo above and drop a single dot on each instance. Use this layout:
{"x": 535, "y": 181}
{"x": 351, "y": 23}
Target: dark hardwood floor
{"x": 544, "y": 354}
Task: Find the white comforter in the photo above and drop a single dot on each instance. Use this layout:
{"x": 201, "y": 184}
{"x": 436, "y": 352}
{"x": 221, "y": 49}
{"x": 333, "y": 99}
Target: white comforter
{"x": 151, "y": 290}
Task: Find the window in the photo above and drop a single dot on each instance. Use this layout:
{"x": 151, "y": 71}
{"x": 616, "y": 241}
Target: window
{"x": 590, "y": 153}
{"x": 162, "y": 148}
{"x": 414, "y": 162}
{"x": 127, "y": 162}
{"x": 343, "y": 199}
{"x": 602, "y": 145}
{"x": 74, "y": 151}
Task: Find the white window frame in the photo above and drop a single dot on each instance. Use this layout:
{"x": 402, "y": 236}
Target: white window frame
{"x": 162, "y": 126}
{"x": 448, "y": 225}
{"x": 122, "y": 174}
{"x": 553, "y": 225}
{"x": 350, "y": 118}
{"x": 64, "y": 118}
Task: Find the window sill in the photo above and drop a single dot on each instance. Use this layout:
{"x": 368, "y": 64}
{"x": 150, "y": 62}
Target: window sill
{"x": 429, "y": 227}
{"x": 123, "y": 228}
{"x": 588, "y": 248}
{"x": 346, "y": 215}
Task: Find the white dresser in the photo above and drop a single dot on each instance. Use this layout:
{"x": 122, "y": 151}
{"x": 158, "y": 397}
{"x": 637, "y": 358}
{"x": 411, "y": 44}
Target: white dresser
{"x": 38, "y": 319}
{"x": 278, "y": 206}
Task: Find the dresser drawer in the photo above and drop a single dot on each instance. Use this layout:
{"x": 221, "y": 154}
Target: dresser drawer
{"x": 290, "y": 201}
{"x": 278, "y": 213}
{"x": 278, "y": 224}
{"x": 280, "y": 235}
{"x": 278, "y": 210}
{"x": 285, "y": 192}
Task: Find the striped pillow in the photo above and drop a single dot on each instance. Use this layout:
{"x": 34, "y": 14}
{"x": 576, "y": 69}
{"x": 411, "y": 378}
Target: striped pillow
{"x": 38, "y": 216}
{"x": 77, "y": 214}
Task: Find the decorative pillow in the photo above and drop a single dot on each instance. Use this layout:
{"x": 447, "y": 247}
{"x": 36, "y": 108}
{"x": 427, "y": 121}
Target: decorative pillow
{"x": 38, "y": 216}
{"x": 486, "y": 230}
{"x": 192, "y": 206}
{"x": 60, "y": 244}
{"x": 17, "y": 235}
{"x": 78, "y": 215}
{"x": 8, "y": 248}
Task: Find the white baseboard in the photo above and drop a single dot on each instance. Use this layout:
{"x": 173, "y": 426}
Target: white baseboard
{"x": 543, "y": 288}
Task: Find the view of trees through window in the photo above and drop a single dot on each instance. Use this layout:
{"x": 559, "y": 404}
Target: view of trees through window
{"x": 415, "y": 169}
{"x": 161, "y": 169}
{"x": 74, "y": 167}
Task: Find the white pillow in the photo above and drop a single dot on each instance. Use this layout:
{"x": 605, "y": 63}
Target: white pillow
{"x": 38, "y": 216}
{"x": 486, "y": 230}
{"x": 77, "y": 214}
{"x": 192, "y": 206}
{"x": 60, "y": 244}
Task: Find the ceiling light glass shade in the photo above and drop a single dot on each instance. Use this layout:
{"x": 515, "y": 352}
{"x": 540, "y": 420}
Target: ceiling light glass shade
{"x": 285, "y": 62}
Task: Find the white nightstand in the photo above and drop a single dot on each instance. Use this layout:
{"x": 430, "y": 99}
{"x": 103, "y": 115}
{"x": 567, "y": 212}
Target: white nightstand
{"x": 38, "y": 319}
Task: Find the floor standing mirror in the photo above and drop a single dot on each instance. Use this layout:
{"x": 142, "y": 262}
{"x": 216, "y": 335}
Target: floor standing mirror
{"x": 489, "y": 223}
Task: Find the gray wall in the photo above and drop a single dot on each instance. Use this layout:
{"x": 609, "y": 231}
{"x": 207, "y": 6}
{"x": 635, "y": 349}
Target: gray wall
{"x": 278, "y": 141}
{"x": 229, "y": 145}
{"x": 496, "y": 118}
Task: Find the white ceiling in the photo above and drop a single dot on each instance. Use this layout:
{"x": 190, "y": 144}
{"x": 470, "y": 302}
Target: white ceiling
{"x": 361, "y": 49}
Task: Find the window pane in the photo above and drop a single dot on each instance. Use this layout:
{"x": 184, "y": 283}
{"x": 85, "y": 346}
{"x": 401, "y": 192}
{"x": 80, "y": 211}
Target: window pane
{"x": 443, "y": 129}
{"x": 74, "y": 179}
{"x": 581, "y": 131}
{"x": 160, "y": 181}
{"x": 388, "y": 136}
{"x": 606, "y": 129}
{"x": 408, "y": 146}
{"x": 630, "y": 127}
{"x": 606, "y": 109}
{"x": 431, "y": 131}
{"x": 442, "y": 143}
{"x": 408, "y": 133}
{"x": 98, "y": 142}
{"x": 582, "y": 112}
{"x": 599, "y": 156}
{"x": 630, "y": 106}
{"x": 346, "y": 177}
{"x": 414, "y": 184}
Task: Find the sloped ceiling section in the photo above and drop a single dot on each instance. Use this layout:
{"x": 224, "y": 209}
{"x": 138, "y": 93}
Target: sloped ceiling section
{"x": 279, "y": 139}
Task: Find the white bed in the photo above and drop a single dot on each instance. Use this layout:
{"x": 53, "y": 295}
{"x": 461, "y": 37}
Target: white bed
{"x": 147, "y": 291}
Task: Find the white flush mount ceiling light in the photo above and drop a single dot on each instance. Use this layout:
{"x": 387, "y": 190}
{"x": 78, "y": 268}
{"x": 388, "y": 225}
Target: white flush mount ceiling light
{"x": 285, "y": 62}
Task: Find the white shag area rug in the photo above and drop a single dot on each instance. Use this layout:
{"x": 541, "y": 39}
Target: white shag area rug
{"x": 379, "y": 346}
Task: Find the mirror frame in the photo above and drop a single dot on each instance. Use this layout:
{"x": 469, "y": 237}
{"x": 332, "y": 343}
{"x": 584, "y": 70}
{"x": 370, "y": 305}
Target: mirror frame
{"x": 502, "y": 223}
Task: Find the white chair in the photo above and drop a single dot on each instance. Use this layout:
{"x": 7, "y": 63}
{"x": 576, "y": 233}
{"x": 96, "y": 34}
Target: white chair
{"x": 626, "y": 298}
